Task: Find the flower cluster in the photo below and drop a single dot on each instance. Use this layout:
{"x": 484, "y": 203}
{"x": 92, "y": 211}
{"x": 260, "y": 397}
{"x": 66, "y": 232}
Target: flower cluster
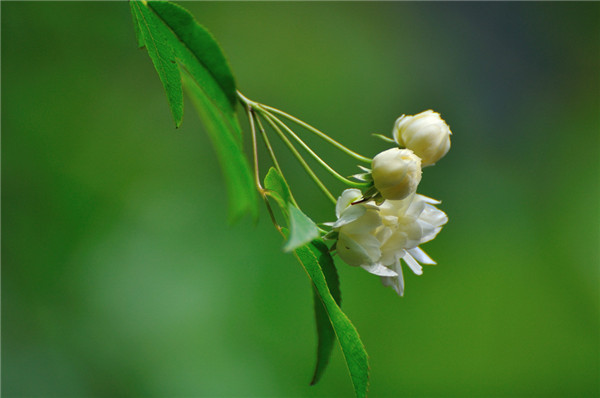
{"x": 379, "y": 230}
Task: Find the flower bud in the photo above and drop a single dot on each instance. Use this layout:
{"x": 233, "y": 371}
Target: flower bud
{"x": 396, "y": 173}
{"x": 426, "y": 134}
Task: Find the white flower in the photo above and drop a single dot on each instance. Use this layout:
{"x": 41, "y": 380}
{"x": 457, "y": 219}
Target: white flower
{"x": 396, "y": 173}
{"x": 357, "y": 244}
{"x": 411, "y": 222}
{"x": 376, "y": 238}
{"x": 426, "y": 133}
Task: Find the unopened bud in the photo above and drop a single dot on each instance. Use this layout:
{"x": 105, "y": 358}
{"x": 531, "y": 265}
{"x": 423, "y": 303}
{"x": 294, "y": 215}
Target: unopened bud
{"x": 396, "y": 173}
{"x": 425, "y": 133}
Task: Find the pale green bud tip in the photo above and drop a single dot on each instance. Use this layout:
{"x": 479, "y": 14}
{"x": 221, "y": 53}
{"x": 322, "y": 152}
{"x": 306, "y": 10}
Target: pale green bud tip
{"x": 425, "y": 133}
{"x": 396, "y": 173}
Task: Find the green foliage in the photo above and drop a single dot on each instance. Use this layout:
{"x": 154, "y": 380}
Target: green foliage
{"x": 274, "y": 182}
{"x": 352, "y": 347}
{"x": 185, "y": 54}
{"x": 175, "y": 40}
{"x": 238, "y": 176}
{"x": 201, "y": 44}
{"x": 136, "y": 25}
{"x": 302, "y": 229}
{"x": 155, "y": 37}
{"x": 324, "y": 329}
{"x": 107, "y": 294}
{"x": 331, "y": 321}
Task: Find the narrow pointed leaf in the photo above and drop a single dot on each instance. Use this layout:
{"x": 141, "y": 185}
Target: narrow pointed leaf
{"x": 233, "y": 163}
{"x": 157, "y": 41}
{"x": 350, "y": 342}
{"x": 279, "y": 189}
{"x": 200, "y": 42}
{"x": 330, "y": 319}
{"x": 325, "y": 332}
{"x": 302, "y": 229}
{"x": 211, "y": 86}
{"x": 198, "y": 52}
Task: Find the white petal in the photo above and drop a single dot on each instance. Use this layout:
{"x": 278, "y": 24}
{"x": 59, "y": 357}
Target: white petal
{"x": 356, "y": 252}
{"x": 414, "y": 234}
{"x": 347, "y": 197}
{"x": 416, "y": 207}
{"x": 429, "y": 200}
{"x": 429, "y": 233}
{"x": 421, "y": 256}
{"x": 413, "y": 264}
{"x": 371, "y": 205}
{"x": 431, "y": 220}
{"x": 390, "y": 220}
{"x": 350, "y": 214}
{"x": 366, "y": 224}
{"x": 383, "y": 234}
{"x": 434, "y": 216}
{"x": 396, "y": 207}
{"x": 372, "y": 246}
{"x": 379, "y": 270}
{"x": 396, "y": 282}
{"x": 393, "y": 248}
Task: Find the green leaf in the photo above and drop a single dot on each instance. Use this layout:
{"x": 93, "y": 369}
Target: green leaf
{"x": 136, "y": 26}
{"x": 302, "y": 229}
{"x": 350, "y": 342}
{"x": 274, "y": 182}
{"x": 183, "y": 43}
{"x": 325, "y": 331}
{"x": 158, "y": 43}
{"x": 331, "y": 321}
{"x": 198, "y": 52}
{"x": 240, "y": 186}
{"x": 201, "y": 44}
{"x": 277, "y": 188}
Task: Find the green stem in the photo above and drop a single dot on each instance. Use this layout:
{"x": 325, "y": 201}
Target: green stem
{"x": 312, "y": 153}
{"x": 383, "y": 137}
{"x": 319, "y": 133}
{"x": 250, "y": 112}
{"x": 246, "y": 102}
{"x": 273, "y": 157}
{"x": 267, "y": 142}
{"x": 251, "y": 120}
{"x": 299, "y": 157}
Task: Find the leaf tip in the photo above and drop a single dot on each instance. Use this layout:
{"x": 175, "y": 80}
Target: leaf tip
{"x": 289, "y": 247}
{"x": 316, "y": 377}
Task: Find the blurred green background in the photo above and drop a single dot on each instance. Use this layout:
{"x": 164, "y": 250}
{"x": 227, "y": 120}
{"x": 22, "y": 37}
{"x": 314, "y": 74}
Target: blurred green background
{"x": 121, "y": 277}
